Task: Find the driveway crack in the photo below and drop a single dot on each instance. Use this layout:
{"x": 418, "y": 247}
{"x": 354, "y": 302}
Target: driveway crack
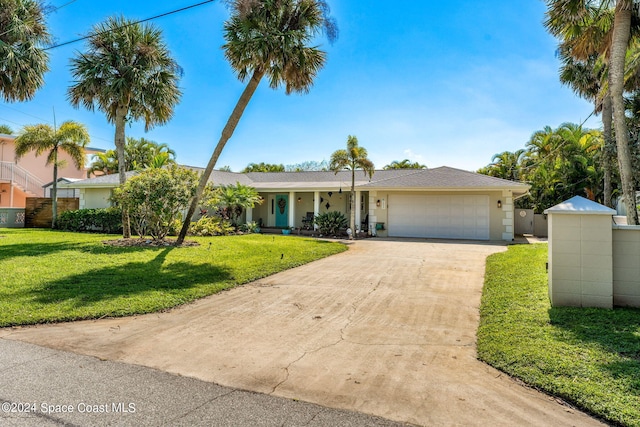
{"x": 354, "y": 308}
{"x": 355, "y": 305}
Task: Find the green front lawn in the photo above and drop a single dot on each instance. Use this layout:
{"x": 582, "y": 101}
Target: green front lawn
{"x": 589, "y": 357}
{"x": 50, "y": 276}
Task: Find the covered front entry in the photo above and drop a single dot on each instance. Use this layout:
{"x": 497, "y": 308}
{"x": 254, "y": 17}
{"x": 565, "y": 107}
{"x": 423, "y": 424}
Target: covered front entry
{"x": 439, "y": 216}
{"x": 282, "y": 210}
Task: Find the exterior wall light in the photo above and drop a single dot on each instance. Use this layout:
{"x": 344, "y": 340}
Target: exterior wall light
{"x": 378, "y": 203}
{"x": 499, "y": 204}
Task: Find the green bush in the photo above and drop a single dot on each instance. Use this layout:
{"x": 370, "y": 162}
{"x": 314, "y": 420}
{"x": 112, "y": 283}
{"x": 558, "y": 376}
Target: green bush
{"x": 175, "y": 227}
{"x": 155, "y": 198}
{"x": 211, "y": 226}
{"x": 249, "y": 227}
{"x": 108, "y": 220}
{"x": 331, "y": 223}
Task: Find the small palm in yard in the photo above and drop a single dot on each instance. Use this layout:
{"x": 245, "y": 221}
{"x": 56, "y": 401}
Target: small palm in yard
{"x": 354, "y": 157}
{"x": 128, "y": 73}
{"x": 71, "y": 137}
{"x": 230, "y": 201}
{"x": 268, "y": 38}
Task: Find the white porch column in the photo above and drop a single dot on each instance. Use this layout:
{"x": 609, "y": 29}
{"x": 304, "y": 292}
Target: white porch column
{"x": 292, "y": 209}
{"x": 356, "y": 206}
{"x": 249, "y": 215}
{"x": 316, "y": 207}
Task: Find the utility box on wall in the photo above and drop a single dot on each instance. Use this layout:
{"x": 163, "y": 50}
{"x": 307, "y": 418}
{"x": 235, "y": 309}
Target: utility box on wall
{"x": 580, "y": 254}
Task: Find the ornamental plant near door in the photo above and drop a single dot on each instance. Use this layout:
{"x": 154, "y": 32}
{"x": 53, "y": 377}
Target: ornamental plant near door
{"x": 331, "y": 223}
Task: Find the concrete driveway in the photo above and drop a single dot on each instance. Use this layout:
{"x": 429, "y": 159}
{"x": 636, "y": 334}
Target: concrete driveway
{"x": 386, "y": 328}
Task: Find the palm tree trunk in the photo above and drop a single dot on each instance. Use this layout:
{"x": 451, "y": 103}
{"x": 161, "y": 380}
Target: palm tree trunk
{"x": 54, "y": 190}
{"x": 607, "y": 118}
{"x": 620, "y": 42}
{"x": 352, "y": 222}
{"x": 227, "y": 132}
{"x": 121, "y": 113}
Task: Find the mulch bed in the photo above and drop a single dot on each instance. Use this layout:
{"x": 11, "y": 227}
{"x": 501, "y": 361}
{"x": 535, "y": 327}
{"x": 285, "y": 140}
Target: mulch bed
{"x": 136, "y": 241}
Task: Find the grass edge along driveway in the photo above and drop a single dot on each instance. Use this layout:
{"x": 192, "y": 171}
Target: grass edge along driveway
{"x": 588, "y": 357}
{"x": 51, "y": 276}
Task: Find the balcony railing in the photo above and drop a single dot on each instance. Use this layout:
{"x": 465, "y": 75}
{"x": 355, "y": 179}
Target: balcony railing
{"x": 22, "y": 178}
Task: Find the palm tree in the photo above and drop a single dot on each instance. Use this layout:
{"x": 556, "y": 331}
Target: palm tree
{"x": 141, "y": 153}
{"x": 23, "y": 62}
{"x": 159, "y": 161}
{"x": 584, "y": 53}
{"x": 232, "y": 200}
{"x": 106, "y": 163}
{"x": 354, "y": 157}
{"x": 71, "y": 137}
{"x": 268, "y": 38}
{"x": 561, "y": 163}
{"x": 263, "y": 167}
{"x": 505, "y": 165}
{"x": 566, "y": 16}
{"x": 585, "y": 78}
{"x": 128, "y": 73}
{"x": 6, "y": 130}
{"x": 404, "y": 164}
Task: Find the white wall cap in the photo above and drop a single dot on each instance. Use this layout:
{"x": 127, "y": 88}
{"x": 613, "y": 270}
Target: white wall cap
{"x": 578, "y": 205}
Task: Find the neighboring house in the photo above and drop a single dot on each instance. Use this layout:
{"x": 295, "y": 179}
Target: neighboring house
{"x": 28, "y": 176}
{"x": 73, "y": 193}
{"x": 442, "y": 202}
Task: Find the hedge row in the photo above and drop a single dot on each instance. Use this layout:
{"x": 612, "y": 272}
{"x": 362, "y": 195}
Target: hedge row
{"x": 107, "y": 220}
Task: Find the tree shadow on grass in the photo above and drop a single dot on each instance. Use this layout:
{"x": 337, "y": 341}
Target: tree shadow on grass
{"x": 616, "y": 331}
{"x": 16, "y": 250}
{"x": 174, "y": 283}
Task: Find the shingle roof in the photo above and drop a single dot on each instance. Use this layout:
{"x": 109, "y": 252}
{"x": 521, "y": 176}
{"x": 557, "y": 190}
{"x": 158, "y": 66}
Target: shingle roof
{"x": 317, "y": 179}
{"x": 445, "y": 178}
{"x": 437, "y": 178}
{"x": 111, "y": 180}
{"x": 62, "y": 180}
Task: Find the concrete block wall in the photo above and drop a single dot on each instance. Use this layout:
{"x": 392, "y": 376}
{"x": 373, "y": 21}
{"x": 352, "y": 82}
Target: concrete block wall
{"x": 580, "y": 265}
{"x": 626, "y": 266}
{"x": 593, "y": 262}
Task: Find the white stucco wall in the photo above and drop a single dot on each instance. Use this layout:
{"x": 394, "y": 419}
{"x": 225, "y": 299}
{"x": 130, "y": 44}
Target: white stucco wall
{"x": 94, "y": 198}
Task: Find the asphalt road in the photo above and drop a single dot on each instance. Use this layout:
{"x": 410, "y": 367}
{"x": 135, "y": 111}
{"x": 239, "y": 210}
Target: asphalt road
{"x": 45, "y": 387}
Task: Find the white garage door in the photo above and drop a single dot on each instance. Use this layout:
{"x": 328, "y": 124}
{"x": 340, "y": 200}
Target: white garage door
{"x": 447, "y": 217}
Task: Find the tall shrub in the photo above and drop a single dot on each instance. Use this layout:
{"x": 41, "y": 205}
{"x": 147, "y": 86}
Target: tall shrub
{"x": 156, "y": 198}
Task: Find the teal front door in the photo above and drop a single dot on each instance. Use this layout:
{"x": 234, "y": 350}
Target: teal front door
{"x": 282, "y": 210}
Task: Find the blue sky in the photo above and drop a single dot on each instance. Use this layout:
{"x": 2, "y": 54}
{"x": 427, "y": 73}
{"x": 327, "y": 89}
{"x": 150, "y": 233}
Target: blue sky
{"x": 442, "y": 83}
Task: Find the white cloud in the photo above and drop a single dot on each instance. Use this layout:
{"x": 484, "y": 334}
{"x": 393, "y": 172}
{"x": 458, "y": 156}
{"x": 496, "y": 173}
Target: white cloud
{"x": 413, "y": 156}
